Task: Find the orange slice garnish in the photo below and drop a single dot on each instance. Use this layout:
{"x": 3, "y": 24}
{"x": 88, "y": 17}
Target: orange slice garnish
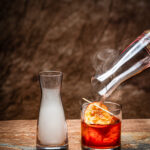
{"x": 95, "y": 115}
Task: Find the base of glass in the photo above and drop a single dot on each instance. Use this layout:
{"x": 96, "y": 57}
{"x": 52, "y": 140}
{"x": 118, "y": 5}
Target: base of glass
{"x": 89, "y": 148}
{"x": 64, "y": 147}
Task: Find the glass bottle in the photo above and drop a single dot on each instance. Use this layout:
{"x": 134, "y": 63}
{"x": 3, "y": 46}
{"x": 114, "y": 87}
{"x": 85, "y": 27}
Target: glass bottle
{"x": 133, "y": 60}
{"x": 51, "y": 128}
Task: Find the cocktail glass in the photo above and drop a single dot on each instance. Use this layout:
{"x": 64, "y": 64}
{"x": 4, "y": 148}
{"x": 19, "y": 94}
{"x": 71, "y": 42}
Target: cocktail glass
{"x": 102, "y": 136}
{"x": 51, "y": 127}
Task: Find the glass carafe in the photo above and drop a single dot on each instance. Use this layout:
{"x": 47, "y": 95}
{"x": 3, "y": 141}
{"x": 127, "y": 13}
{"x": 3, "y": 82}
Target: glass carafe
{"x": 51, "y": 128}
{"x": 133, "y": 60}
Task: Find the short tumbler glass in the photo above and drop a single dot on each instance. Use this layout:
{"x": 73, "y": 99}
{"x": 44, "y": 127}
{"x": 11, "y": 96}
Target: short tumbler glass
{"x": 102, "y": 137}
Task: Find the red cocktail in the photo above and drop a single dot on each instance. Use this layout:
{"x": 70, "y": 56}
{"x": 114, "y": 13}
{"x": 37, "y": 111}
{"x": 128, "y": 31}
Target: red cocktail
{"x": 99, "y": 129}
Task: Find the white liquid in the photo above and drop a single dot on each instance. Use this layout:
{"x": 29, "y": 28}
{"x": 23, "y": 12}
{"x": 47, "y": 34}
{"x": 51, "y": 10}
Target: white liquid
{"x": 52, "y": 126}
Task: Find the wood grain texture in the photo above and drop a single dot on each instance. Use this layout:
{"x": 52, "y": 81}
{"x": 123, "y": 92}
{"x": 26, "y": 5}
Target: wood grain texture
{"x": 65, "y": 35}
{"x": 21, "y": 134}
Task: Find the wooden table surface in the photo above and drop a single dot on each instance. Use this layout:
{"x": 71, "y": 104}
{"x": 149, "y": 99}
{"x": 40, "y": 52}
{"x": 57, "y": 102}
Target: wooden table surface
{"x": 21, "y": 134}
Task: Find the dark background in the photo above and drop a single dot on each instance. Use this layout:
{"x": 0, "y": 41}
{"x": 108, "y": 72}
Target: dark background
{"x": 64, "y": 35}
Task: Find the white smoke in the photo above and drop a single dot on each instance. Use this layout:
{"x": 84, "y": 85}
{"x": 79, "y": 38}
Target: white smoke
{"x": 102, "y": 60}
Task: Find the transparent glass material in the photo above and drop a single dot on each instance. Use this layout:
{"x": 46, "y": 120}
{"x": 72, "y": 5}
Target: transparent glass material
{"x": 133, "y": 60}
{"x": 102, "y": 136}
{"x": 51, "y": 128}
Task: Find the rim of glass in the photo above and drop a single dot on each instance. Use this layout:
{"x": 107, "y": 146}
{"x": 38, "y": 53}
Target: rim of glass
{"x": 84, "y": 105}
{"x": 50, "y": 73}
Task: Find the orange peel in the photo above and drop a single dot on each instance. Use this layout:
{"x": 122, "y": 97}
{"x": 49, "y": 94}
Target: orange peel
{"x": 95, "y": 115}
